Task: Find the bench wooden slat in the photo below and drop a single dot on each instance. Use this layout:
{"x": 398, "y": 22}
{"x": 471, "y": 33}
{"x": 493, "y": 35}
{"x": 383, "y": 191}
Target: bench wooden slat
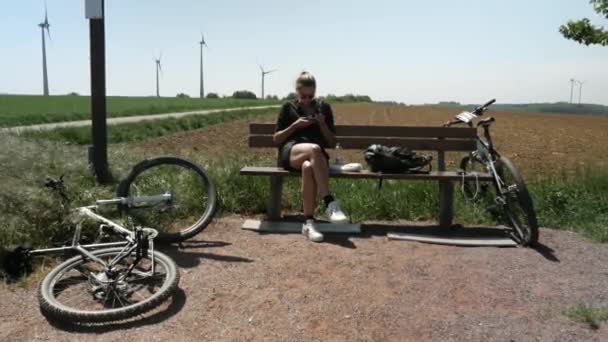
{"x": 363, "y": 142}
{"x": 383, "y": 131}
{"x": 433, "y": 175}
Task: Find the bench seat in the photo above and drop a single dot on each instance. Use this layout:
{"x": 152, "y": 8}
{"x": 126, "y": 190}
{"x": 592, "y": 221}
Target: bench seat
{"x": 440, "y": 140}
{"x": 433, "y": 175}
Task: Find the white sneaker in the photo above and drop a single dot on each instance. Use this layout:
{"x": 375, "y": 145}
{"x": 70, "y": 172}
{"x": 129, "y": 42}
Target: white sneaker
{"x": 309, "y": 230}
{"x": 335, "y": 214}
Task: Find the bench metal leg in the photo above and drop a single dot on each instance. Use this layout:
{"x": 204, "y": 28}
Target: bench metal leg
{"x": 446, "y": 204}
{"x": 446, "y": 196}
{"x": 273, "y": 210}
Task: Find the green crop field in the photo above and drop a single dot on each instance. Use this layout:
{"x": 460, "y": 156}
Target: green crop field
{"x": 16, "y": 110}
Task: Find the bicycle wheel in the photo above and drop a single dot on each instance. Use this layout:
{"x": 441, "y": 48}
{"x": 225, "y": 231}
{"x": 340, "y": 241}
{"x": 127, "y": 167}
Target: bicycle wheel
{"x": 193, "y": 197}
{"x": 518, "y": 209}
{"x": 84, "y": 291}
{"x": 472, "y": 189}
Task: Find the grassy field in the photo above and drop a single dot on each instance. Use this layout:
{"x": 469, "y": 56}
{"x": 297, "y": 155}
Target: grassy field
{"x": 16, "y": 110}
{"x": 140, "y": 131}
{"x": 569, "y": 188}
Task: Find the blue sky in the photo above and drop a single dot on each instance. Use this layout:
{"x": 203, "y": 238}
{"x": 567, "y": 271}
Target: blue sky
{"x": 407, "y": 51}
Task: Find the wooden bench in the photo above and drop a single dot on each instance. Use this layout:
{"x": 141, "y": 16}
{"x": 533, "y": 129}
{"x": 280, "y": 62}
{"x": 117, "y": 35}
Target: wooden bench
{"x": 438, "y": 139}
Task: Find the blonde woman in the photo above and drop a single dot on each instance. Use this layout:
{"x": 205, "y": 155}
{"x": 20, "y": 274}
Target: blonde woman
{"x": 305, "y": 127}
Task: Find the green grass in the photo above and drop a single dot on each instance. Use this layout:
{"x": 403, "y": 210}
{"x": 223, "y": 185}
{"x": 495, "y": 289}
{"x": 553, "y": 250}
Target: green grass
{"x": 31, "y": 213}
{"x": 16, "y": 110}
{"x": 593, "y": 316}
{"x": 140, "y": 131}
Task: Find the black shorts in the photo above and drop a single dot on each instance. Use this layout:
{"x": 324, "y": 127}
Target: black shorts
{"x": 285, "y": 153}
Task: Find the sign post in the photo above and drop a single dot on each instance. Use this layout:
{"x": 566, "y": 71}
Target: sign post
{"x": 98, "y": 152}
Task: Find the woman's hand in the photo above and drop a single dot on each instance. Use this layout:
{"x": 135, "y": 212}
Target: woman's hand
{"x": 280, "y": 136}
{"x": 302, "y": 123}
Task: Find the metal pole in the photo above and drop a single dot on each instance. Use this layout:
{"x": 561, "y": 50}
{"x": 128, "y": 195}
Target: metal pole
{"x": 45, "y": 79}
{"x": 571, "y": 89}
{"x": 580, "y": 92}
{"x": 202, "y": 81}
{"x": 157, "y": 85}
{"x": 98, "y": 152}
{"x": 263, "y": 84}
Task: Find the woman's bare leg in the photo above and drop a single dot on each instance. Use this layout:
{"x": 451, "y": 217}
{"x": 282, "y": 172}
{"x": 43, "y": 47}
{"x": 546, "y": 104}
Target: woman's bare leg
{"x": 309, "y": 189}
{"x": 310, "y": 156}
{"x": 321, "y": 170}
{"x": 312, "y": 152}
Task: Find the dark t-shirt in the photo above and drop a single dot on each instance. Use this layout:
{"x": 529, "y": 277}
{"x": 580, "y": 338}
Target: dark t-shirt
{"x": 291, "y": 111}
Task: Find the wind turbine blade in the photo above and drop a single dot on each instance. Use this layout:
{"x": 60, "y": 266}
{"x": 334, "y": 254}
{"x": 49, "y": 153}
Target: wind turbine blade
{"x": 261, "y": 68}
{"x": 273, "y": 70}
{"x": 48, "y": 31}
{"x": 46, "y": 17}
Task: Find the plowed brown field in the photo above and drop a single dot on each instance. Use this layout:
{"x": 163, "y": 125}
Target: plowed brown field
{"x": 534, "y": 141}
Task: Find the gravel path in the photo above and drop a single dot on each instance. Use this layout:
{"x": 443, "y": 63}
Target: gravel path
{"x": 239, "y": 285}
{"x": 127, "y": 119}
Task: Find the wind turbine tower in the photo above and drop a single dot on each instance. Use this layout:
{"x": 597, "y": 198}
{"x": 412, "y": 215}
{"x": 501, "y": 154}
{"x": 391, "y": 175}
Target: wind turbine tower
{"x": 264, "y": 73}
{"x": 572, "y": 82}
{"x": 580, "y": 91}
{"x": 44, "y": 26}
{"x": 202, "y": 43}
{"x": 158, "y": 70}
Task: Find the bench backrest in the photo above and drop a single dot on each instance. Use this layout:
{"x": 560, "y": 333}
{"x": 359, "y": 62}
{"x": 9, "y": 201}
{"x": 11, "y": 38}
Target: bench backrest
{"x": 359, "y": 137}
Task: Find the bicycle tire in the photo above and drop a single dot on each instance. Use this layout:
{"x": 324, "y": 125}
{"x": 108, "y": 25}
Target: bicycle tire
{"x": 125, "y": 188}
{"x": 53, "y": 309}
{"x": 509, "y": 174}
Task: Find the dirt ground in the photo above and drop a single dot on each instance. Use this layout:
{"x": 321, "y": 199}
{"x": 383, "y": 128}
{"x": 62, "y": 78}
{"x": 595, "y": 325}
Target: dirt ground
{"x": 239, "y": 285}
{"x": 536, "y": 142}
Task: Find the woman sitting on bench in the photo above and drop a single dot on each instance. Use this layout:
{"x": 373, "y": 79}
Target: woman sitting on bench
{"x": 305, "y": 126}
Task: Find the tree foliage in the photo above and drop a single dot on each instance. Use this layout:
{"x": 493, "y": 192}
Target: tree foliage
{"x": 290, "y": 96}
{"x": 244, "y": 94}
{"x": 212, "y": 96}
{"x": 348, "y": 98}
{"x": 583, "y": 31}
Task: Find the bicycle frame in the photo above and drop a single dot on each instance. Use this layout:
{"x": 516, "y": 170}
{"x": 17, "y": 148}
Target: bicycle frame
{"x": 487, "y": 155}
{"x": 130, "y": 244}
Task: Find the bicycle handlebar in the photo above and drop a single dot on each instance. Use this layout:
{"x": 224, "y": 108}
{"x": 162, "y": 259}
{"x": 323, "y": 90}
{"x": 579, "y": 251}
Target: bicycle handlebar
{"x": 480, "y": 109}
{"x": 477, "y": 111}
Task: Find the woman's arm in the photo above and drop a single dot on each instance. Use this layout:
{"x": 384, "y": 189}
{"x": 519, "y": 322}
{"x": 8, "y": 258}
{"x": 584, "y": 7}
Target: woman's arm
{"x": 325, "y": 119}
{"x": 328, "y": 135}
{"x": 280, "y": 136}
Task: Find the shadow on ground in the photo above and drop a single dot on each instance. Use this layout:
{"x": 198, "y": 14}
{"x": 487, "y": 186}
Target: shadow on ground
{"x": 186, "y": 255}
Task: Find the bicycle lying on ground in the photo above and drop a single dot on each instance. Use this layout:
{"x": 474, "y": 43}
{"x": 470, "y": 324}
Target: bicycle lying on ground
{"x": 509, "y": 196}
{"x": 110, "y": 281}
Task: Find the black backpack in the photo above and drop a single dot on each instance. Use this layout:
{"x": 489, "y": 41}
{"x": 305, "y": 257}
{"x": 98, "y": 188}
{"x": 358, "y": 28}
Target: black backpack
{"x": 395, "y": 159}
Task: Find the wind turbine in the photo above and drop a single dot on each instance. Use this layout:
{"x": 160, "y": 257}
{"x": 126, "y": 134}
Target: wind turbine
{"x": 158, "y": 69}
{"x": 580, "y": 90}
{"x": 44, "y": 26}
{"x": 202, "y": 42}
{"x": 264, "y": 73}
{"x": 572, "y": 81}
